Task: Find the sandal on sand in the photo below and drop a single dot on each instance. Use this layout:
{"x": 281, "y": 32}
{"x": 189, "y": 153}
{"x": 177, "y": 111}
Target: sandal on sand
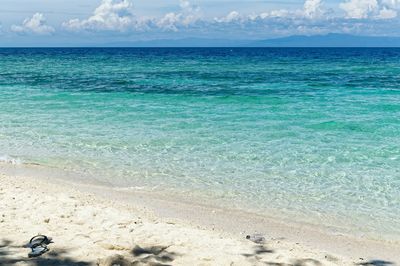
{"x": 38, "y": 244}
{"x": 38, "y": 251}
{"x": 39, "y": 240}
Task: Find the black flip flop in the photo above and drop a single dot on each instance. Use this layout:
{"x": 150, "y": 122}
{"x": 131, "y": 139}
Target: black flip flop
{"x": 38, "y": 244}
{"x": 39, "y": 240}
{"x": 37, "y": 251}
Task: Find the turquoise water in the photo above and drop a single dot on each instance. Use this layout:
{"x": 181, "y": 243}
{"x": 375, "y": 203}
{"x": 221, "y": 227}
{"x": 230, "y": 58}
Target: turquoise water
{"x": 308, "y": 134}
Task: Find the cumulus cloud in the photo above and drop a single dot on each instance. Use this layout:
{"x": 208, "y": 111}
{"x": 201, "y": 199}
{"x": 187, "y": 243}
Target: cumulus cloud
{"x": 111, "y": 15}
{"x": 363, "y": 9}
{"x": 313, "y": 18}
{"x": 118, "y": 15}
{"x": 312, "y": 8}
{"x": 387, "y": 13}
{"x": 36, "y": 24}
{"x": 188, "y": 14}
{"x": 361, "y": 17}
{"x": 232, "y": 16}
{"x": 359, "y": 8}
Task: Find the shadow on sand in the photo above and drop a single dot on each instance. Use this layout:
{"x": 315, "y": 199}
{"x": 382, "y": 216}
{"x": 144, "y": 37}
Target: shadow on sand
{"x": 57, "y": 257}
{"x": 260, "y": 252}
{"x": 155, "y": 256}
{"x": 376, "y": 263}
{"x": 260, "y": 255}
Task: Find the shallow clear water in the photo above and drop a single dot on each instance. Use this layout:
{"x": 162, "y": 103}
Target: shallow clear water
{"x": 308, "y": 133}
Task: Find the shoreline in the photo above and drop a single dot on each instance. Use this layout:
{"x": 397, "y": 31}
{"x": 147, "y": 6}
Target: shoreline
{"x": 95, "y": 185}
{"x": 288, "y": 241}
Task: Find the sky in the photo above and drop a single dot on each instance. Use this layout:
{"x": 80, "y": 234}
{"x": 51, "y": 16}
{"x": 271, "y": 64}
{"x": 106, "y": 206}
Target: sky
{"x": 86, "y": 22}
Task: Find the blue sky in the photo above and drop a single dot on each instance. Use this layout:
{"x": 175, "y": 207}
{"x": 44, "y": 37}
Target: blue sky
{"x": 57, "y": 22}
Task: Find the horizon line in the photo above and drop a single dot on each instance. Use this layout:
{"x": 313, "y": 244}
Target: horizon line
{"x": 162, "y": 47}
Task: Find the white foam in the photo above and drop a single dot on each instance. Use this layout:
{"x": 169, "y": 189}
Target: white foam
{"x": 10, "y": 160}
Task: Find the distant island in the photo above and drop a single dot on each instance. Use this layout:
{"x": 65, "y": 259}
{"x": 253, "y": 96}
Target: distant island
{"x": 328, "y": 40}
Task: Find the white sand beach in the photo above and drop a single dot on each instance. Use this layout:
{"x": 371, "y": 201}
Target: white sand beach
{"x": 92, "y": 225}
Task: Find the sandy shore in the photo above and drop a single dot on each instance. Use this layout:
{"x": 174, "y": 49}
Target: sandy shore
{"x": 97, "y": 226}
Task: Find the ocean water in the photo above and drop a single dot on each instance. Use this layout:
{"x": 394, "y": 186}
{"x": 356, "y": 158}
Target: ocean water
{"x": 312, "y": 135}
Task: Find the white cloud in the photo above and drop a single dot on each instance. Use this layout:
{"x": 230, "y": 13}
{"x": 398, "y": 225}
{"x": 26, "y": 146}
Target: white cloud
{"x": 118, "y": 16}
{"x": 359, "y": 8}
{"x": 169, "y": 21}
{"x": 386, "y": 13}
{"x": 189, "y": 14}
{"x": 281, "y": 13}
{"x": 232, "y": 16}
{"x": 112, "y": 15}
{"x": 363, "y": 9}
{"x": 36, "y": 24}
{"x": 312, "y": 8}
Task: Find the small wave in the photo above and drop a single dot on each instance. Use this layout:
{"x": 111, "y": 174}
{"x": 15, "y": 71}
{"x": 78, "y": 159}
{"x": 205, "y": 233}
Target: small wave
{"x": 10, "y": 160}
{"x": 130, "y": 188}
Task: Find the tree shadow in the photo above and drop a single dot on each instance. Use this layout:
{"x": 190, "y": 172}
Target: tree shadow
{"x": 297, "y": 262}
{"x": 155, "y": 254}
{"x": 3, "y": 245}
{"x": 307, "y": 262}
{"x": 376, "y": 263}
{"x": 313, "y": 262}
{"x": 261, "y": 250}
{"x": 260, "y": 253}
{"x": 56, "y": 257}
{"x": 258, "y": 250}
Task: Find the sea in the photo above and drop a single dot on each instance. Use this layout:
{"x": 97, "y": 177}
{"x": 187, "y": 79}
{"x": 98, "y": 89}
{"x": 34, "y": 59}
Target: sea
{"x": 309, "y": 135}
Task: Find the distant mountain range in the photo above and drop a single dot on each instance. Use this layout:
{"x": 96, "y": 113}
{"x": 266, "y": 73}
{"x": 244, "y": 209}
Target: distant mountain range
{"x": 186, "y": 42}
{"x": 329, "y": 40}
